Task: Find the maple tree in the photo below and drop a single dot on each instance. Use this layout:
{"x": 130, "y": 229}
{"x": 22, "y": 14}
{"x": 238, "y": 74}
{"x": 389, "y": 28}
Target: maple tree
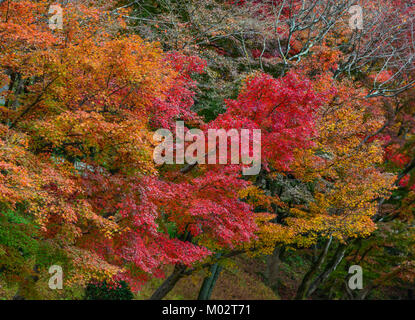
{"x": 79, "y": 107}
{"x": 85, "y": 117}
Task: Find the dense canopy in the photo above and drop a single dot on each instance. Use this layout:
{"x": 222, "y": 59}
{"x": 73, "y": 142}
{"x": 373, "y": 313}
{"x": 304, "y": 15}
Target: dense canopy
{"x": 79, "y": 188}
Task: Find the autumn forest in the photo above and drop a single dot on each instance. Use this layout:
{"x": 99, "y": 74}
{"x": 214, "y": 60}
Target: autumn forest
{"x": 112, "y": 188}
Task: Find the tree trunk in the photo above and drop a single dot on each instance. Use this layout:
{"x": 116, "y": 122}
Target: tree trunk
{"x": 169, "y": 283}
{"x": 273, "y": 262}
{"x": 333, "y": 264}
{"x": 209, "y": 283}
{"x": 305, "y": 284}
{"x": 215, "y": 278}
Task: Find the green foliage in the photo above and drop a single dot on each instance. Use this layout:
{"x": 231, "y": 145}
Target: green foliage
{"x": 18, "y": 243}
{"x": 49, "y": 254}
